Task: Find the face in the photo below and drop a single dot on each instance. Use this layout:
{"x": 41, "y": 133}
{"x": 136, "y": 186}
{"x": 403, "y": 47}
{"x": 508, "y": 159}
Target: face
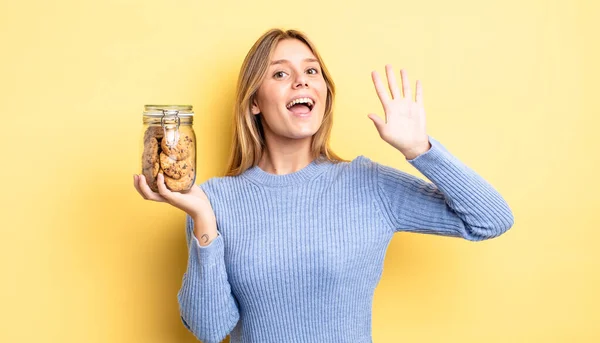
{"x": 294, "y": 73}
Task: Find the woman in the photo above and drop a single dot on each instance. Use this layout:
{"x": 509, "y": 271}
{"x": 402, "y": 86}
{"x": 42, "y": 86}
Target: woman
{"x": 289, "y": 245}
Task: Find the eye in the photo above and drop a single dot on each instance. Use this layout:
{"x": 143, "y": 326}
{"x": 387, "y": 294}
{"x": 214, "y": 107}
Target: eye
{"x": 279, "y": 74}
{"x": 314, "y": 69}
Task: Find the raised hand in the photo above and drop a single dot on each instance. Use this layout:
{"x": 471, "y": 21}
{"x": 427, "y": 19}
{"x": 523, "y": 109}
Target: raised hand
{"x": 404, "y": 126}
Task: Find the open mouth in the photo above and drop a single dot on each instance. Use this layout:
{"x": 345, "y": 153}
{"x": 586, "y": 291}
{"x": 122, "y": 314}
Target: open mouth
{"x": 301, "y": 106}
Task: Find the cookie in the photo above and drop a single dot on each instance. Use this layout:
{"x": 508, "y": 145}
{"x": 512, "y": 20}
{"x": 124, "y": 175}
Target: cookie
{"x": 176, "y": 163}
{"x": 151, "y": 180}
{"x": 183, "y": 184}
{"x": 173, "y": 168}
{"x": 182, "y": 149}
{"x": 155, "y": 169}
{"x": 150, "y": 157}
{"x": 154, "y": 131}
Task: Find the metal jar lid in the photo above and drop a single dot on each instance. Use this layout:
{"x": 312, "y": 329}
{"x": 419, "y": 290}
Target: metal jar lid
{"x": 157, "y": 111}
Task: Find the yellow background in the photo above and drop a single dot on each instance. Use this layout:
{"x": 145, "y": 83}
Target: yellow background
{"x": 509, "y": 89}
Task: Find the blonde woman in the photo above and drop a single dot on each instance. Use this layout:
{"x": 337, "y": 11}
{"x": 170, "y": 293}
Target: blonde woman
{"x": 289, "y": 245}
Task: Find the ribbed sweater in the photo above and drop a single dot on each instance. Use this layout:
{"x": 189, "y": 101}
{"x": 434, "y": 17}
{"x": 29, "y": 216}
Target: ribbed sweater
{"x": 297, "y": 257}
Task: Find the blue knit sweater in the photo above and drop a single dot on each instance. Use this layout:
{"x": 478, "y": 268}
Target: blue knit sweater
{"x": 298, "y": 256}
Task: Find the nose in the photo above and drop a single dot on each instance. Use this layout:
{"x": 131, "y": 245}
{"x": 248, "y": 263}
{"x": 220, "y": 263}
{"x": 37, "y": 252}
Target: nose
{"x": 300, "y": 81}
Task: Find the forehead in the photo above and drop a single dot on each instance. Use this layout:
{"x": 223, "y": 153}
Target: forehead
{"x": 291, "y": 50}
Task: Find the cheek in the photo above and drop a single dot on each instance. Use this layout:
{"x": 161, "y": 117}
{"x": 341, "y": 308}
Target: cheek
{"x": 323, "y": 89}
{"x": 323, "y": 96}
{"x": 271, "y": 95}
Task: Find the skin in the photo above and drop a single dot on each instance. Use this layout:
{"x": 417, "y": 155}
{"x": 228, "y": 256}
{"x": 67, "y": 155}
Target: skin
{"x": 194, "y": 202}
{"x": 404, "y": 126}
{"x": 294, "y": 71}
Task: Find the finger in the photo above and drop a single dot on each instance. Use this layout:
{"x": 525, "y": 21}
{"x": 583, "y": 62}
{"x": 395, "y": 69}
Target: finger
{"x": 162, "y": 188}
{"x": 380, "y": 88}
{"x": 379, "y": 123}
{"x": 394, "y": 89}
{"x": 150, "y": 195}
{"x": 405, "y": 85}
{"x": 419, "y": 96}
{"x": 137, "y": 186}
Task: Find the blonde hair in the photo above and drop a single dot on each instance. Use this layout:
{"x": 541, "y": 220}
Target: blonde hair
{"x": 248, "y": 135}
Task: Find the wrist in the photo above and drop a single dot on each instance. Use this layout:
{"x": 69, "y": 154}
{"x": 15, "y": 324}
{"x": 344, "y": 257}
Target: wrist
{"x": 202, "y": 216}
{"x": 417, "y": 151}
{"x": 203, "y": 221}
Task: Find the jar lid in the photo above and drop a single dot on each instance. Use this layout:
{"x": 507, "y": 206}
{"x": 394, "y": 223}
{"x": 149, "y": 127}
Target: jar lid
{"x": 160, "y": 110}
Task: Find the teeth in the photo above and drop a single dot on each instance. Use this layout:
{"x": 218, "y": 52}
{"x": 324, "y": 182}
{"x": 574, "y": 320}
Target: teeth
{"x": 301, "y": 100}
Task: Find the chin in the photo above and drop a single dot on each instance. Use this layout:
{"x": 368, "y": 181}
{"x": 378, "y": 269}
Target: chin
{"x": 302, "y": 135}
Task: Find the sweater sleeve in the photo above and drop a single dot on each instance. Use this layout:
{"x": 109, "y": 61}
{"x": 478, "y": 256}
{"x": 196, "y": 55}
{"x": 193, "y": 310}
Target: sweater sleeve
{"x": 458, "y": 202}
{"x": 207, "y": 306}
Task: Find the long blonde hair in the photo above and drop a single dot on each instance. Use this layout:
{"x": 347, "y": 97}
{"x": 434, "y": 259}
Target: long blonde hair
{"x": 248, "y": 135}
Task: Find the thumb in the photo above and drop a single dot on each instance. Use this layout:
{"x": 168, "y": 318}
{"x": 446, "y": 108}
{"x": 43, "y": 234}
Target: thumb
{"x": 162, "y": 188}
{"x": 379, "y": 123}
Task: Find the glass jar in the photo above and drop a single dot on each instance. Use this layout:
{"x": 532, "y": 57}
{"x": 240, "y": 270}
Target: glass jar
{"x": 168, "y": 146}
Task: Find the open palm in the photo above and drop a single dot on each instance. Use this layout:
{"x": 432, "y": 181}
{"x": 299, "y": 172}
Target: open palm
{"x": 404, "y": 126}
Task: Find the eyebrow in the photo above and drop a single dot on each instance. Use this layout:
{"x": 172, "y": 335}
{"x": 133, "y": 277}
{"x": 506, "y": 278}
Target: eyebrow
{"x": 286, "y": 61}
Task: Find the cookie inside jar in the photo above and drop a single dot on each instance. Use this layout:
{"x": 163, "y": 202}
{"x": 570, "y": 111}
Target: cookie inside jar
{"x": 169, "y": 146}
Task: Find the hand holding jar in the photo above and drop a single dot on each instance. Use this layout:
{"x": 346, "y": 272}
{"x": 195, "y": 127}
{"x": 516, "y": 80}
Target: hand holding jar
{"x": 193, "y": 201}
{"x": 169, "y": 166}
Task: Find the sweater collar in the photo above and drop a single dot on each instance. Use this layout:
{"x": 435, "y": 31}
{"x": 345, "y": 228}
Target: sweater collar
{"x": 314, "y": 168}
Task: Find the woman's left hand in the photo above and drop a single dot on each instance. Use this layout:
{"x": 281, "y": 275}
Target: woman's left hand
{"x": 404, "y": 127}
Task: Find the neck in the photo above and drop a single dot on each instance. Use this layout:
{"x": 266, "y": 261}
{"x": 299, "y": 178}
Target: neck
{"x": 285, "y": 156}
